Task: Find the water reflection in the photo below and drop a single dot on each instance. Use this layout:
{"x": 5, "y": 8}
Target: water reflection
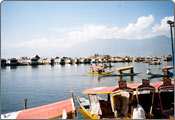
{"x": 3, "y": 67}
{"x": 34, "y": 66}
{"x": 13, "y": 67}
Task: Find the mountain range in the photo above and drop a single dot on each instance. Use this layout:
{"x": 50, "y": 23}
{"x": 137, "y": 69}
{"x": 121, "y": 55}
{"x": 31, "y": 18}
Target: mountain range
{"x": 156, "y": 46}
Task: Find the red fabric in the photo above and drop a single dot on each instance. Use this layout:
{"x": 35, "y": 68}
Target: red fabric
{"x": 133, "y": 85}
{"x": 158, "y": 84}
{"x": 168, "y": 67}
{"x": 97, "y": 67}
{"x": 46, "y": 111}
{"x": 101, "y": 89}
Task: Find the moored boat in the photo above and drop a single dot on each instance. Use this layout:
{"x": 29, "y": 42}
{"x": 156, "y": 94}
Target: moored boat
{"x": 110, "y": 107}
{"x": 164, "y": 99}
{"x": 144, "y": 94}
{"x": 64, "y": 109}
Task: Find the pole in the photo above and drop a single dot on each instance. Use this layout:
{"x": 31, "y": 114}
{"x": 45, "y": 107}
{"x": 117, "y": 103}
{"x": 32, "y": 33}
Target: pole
{"x": 25, "y": 103}
{"x": 172, "y": 45}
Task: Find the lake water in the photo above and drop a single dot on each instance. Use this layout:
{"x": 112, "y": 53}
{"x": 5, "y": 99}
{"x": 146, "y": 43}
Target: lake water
{"x": 45, "y": 84}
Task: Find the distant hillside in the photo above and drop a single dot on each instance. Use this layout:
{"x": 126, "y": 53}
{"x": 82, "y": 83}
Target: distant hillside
{"x": 160, "y": 45}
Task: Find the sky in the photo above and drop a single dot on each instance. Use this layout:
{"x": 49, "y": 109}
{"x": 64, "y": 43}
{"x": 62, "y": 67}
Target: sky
{"x": 46, "y": 28}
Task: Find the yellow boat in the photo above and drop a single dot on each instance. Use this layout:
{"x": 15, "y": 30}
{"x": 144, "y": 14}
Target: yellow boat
{"x": 97, "y": 108}
{"x": 103, "y": 73}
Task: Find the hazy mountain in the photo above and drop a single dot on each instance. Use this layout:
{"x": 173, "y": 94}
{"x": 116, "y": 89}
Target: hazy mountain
{"x": 160, "y": 45}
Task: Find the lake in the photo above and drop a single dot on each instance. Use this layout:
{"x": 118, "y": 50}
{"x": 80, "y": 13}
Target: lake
{"x": 45, "y": 84}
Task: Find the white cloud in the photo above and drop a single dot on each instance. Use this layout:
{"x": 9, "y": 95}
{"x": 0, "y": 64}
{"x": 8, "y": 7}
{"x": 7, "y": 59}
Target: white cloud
{"x": 132, "y": 31}
{"x": 163, "y": 28}
{"x": 141, "y": 29}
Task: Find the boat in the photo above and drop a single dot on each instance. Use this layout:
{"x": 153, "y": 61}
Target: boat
{"x": 164, "y": 99}
{"x": 123, "y": 74}
{"x": 145, "y": 92}
{"x": 65, "y": 109}
{"x": 106, "y": 66}
{"x": 120, "y": 72}
{"x": 157, "y": 62}
{"x": 115, "y": 105}
{"x": 97, "y": 73}
{"x": 99, "y": 70}
{"x": 165, "y": 72}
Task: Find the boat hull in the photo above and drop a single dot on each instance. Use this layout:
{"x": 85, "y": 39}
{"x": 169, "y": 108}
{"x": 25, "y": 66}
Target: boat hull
{"x": 159, "y": 75}
{"x": 85, "y": 113}
{"x": 97, "y": 73}
{"x": 50, "y": 111}
{"x": 123, "y": 74}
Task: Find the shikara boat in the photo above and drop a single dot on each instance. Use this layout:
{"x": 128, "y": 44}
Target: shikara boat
{"x": 114, "y": 102}
{"x": 99, "y": 70}
{"x": 97, "y": 73}
{"x": 120, "y": 72}
{"x": 144, "y": 94}
{"x": 164, "y": 99}
{"x": 107, "y": 66}
{"x": 65, "y": 109}
{"x": 155, "y": 63}
{"x": 165, "y": 72}
{"x": 123, "y": 74}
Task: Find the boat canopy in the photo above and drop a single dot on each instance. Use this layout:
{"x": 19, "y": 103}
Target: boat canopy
{"x": 167, "y": 67}
{"x": 133, "y": 85}
{"x": 158, "y": 84}
{"x": 49, "y": 111}
{"x": 100, "y": 90}
{"x": 123, "y": 87}
{"x": 97, "y": 67}
{"x": 146, "y": 86}
{"x": 165, "y": 85}
{"x": 125, "y": 68}
{"x": 108, "y": 90}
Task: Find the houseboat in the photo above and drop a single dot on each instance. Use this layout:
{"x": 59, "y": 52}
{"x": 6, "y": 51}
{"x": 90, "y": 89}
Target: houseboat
{"x": 3, "y": 62}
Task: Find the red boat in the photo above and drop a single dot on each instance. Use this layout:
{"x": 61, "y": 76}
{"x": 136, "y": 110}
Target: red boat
{"x": 50, "y": 111}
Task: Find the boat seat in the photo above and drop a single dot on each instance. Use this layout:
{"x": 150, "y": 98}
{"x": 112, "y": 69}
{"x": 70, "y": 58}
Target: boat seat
{"x": 106, "y": 108}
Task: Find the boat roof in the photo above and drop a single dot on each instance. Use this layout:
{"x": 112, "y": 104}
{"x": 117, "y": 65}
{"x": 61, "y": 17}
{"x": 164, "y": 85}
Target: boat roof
{"x": 97, "y": 67}
{"x": 158, "y": 84}
{"x": 47, "y": 111}
{"x": 133, "y": 85}
{"x": 146, "y": 85}
{"x": 125, "y": 68}
{"x": 167, "y": 67}
{"x": 100, "y": 90}
{"x": 107, "y": 90}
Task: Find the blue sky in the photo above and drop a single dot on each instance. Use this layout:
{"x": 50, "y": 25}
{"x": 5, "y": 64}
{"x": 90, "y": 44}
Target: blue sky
{"x": 30, "y": 28}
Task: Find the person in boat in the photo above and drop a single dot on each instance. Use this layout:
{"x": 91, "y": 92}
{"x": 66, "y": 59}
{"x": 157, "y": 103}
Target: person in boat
{"x": 168, "y": 72}
{"x": 100, "y": 71}
{"x": 92, "y": 69}
{"x": 138, "y": 111}
{"x": 148, "y": 71}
